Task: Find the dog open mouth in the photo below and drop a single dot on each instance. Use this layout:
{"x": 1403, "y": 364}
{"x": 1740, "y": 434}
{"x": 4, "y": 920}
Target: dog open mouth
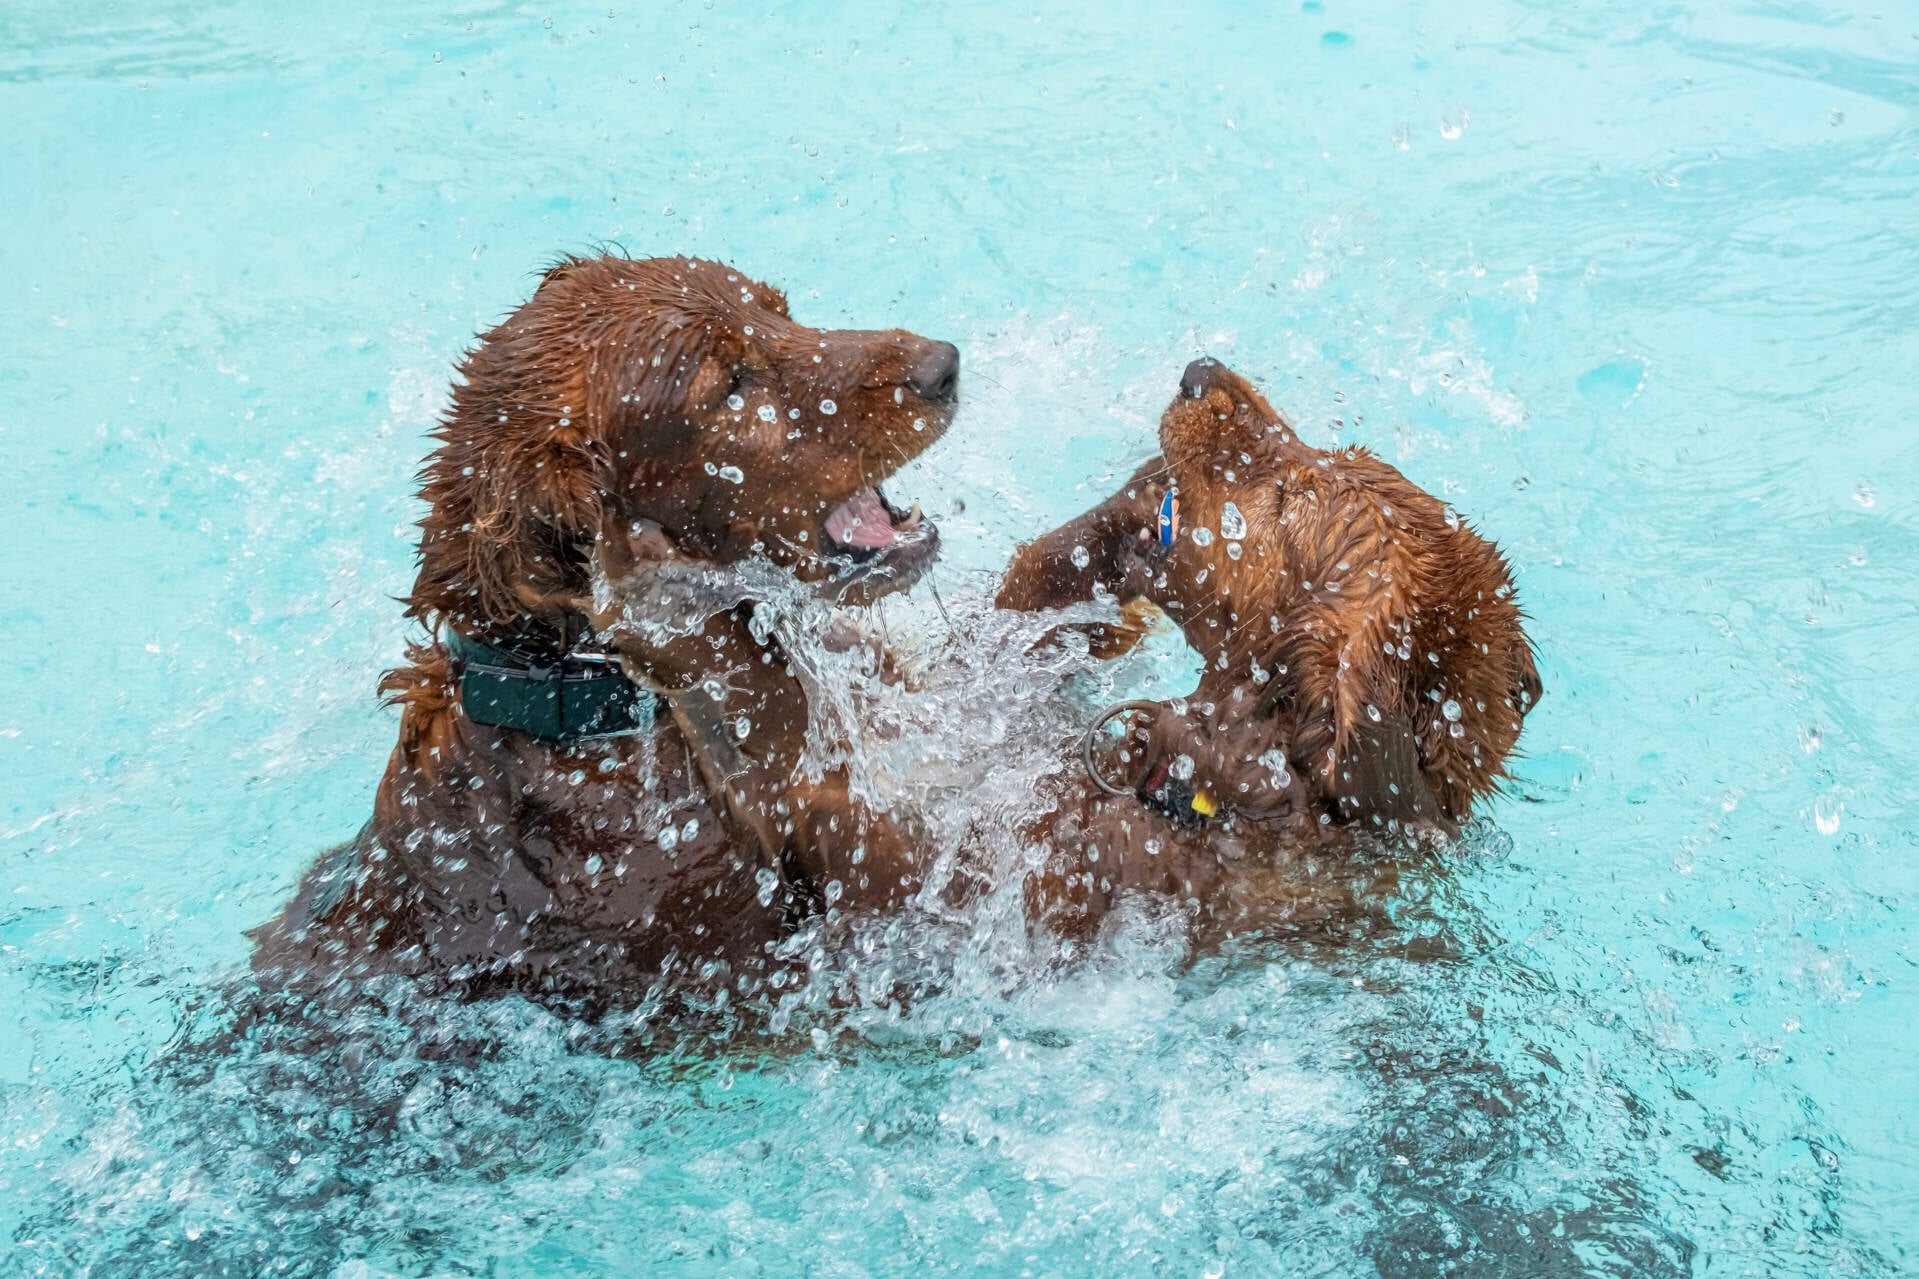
{"x": 879, "y": 547}
{"x": 866, "y": 525}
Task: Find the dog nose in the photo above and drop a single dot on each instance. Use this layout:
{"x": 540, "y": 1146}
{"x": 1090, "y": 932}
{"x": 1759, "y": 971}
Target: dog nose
{"x": 1198, "y": 377}
{"x": 935, "y": 374}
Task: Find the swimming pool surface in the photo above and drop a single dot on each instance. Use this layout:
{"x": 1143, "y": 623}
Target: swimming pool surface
{"x": 1635, "y": 285}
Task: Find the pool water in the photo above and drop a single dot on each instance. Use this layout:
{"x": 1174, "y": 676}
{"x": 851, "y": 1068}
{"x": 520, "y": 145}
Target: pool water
{"x": 1635, "y": 285}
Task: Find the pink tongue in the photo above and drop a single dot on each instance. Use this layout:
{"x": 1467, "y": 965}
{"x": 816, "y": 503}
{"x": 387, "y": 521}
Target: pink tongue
{"x": 861, "y": 521}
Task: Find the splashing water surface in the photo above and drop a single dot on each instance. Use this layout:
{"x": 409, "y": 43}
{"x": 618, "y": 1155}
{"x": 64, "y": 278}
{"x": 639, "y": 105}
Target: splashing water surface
{"x": 1633, "y": 290}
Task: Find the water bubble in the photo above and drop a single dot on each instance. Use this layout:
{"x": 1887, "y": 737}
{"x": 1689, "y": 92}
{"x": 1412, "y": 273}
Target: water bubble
{"x": 1232, "y": 550}
{"x": 688, "y": 831}
{"x": 712, "y": 469}
{"x": 593, "y": 864}
{"x": 768, "y": 883}
{"x": 1372, "y": 712}
{"x": 767, "y": 413}
{"x": 834, "y": 891}
{"x": 1232, "y": 525}
{"x": 732, "y": 474}
{"x": 742, "y": 727}
{"x": 1450, "y": 709}
{"x": 736, "y": 401}
{"x": 828, "y": 407}
{"x": 1453, "y": 124}
{"x": 669, "y": 839}
{"x": 919, "y": 424}
{"x": 1182, "y": 768}
{"x": 1274, "y": 762}
{"x": 1826, "y": 812}
{"x": 1202, "y": 536}
{"x": 1080, "y": 558}
{"x": 1865, "y": 496}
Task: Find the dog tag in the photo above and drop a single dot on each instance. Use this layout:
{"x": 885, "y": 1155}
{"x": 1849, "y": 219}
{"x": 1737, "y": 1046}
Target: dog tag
{"x": 1232, "y": 525}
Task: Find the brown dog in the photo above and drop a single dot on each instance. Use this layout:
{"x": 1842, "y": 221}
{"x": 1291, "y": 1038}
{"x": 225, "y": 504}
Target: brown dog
{"x": 544, "y": 825}
{"x": 1364, "y": 655}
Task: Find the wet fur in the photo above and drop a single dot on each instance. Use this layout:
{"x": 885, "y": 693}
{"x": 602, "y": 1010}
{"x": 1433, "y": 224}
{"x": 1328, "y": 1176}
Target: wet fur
{"x": 583, "y": 429}
{"x": 1357, "y": 608}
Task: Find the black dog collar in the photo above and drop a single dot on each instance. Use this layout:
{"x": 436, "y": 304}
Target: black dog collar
{"x": 567, "y": 698}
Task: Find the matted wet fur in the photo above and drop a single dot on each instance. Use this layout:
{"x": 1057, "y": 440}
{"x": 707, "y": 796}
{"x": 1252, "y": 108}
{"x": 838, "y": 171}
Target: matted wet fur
{"x": 666, "y": 413}
{"x": 1365, "y": 658}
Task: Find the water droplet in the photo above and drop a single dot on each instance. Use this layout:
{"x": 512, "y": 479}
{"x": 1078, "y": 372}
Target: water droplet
{"x": 1372, "y": 712}
{"x": 1453, "y": 124}
{"x": 1182, "y": 768}
{"x": 742, "y": 727}
{"x": 593, "y": 864}
{"x": 919, "y": 424}
{"x": 767, "y": 413}
{"x": 1080, "y": 557}
{"x": 767, "y": 882}
{"x": 1202, "y": 536}
{"x": 1450, "y": 709}
{"x": 669, "y": 839}
{"x": 688, "y": 831}
{"x": 732, "y": 474}
{"x": 1232, "y": 549}
{"x": 712, "y": 469}
{"x": 1826, "y": 812}
{"x": 736, "y": 401}
{"x": 1232, "y": 525}
{"x": 828, "y": 407}
{"x": 1275, "y": 763}
{"x": 834, "y": 891}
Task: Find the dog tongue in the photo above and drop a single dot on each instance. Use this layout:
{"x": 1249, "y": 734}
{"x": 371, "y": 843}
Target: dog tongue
{"x": 861, "y": 521}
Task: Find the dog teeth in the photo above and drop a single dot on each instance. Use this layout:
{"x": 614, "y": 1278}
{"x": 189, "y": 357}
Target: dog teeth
{"x": 912, "y": 520}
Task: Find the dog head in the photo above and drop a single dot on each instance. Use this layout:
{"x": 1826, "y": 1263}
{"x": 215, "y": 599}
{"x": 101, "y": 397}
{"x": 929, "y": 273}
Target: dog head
{"x": 682, "y": 394}
{"x": 1376, "y": 633}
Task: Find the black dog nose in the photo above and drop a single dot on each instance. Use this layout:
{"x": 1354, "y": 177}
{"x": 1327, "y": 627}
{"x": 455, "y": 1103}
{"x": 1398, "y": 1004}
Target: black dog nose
{"x": 935, "y": 374}
{"x": 1198, "y": 377}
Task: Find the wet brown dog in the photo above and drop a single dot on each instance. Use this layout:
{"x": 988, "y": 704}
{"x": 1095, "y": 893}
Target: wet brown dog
{"x": 1365, "y": 660}
{"x": 664, "y": 420}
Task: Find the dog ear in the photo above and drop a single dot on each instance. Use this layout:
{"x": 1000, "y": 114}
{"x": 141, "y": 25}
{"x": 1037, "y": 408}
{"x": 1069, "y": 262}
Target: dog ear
{"x": 554, "y": 406}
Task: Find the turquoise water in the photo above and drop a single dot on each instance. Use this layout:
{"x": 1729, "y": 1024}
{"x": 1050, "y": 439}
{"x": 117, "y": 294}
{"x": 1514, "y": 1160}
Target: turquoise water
{"x": 1636, "y": 285}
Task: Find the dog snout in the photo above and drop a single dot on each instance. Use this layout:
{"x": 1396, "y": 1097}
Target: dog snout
{"x": 934, "y": 375}
{"x": 1199, "y": 377}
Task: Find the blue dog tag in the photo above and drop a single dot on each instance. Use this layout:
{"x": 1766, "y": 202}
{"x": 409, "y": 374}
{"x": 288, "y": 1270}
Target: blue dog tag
{"x": 1168, "y": 518}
